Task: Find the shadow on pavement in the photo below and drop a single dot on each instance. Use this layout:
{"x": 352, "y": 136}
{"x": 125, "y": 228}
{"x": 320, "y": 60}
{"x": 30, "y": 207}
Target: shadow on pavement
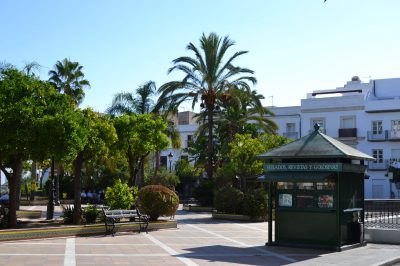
{"x": 257, "y": 255}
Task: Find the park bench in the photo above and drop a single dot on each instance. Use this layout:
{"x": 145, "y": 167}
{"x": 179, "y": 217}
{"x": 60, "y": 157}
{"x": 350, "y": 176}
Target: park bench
{"x": 113, "y": 217}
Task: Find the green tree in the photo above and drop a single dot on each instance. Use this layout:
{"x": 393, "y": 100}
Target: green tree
{"x": 243, "y": 152}
{"x": 141, "y": 102}
{"x": 98, "y": 136}
{"x": 67, "y": 77}
{"x": 138, "y": 135}
{"x": 29, "y": 108}
{"x": 207, "y": 76}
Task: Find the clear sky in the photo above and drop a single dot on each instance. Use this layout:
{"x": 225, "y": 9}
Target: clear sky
{"x": 294, "y": 46}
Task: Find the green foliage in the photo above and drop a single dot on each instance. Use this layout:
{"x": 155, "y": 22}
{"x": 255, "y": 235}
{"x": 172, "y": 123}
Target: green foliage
{"x": 4, "y": 216}
{"x": 255, "y": 204}
{"x": 121, "y": 196}
{"x": 68, "y": 214}
{"x": 164, "y": 178}
{"x": 204, "y": 193}
{"x": 138, "y": 135}
{"x": 186, "y": 172}
{"x": 225, "y": 175}
{"x": 90, "y": 214}
{"x": 229, "y": 200}
{"x": 157, "y": 200}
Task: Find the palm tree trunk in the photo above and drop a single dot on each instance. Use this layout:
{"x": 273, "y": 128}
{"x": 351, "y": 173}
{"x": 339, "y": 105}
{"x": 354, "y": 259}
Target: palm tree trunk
{"x": 210, "y": 167}
{"x": 78, "y": 163}
{"x": 14, "y": 183}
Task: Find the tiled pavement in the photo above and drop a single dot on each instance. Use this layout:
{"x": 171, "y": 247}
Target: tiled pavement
{"x": 197, "y": 241}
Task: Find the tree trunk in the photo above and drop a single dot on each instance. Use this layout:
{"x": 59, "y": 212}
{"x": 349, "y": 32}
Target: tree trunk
{"x": 33, "y": 177}
{"x": 14, "y": 183}
{"x": 210, "y": 166}
{"x": 140, "y": 176}
{"x": 78, "y": 163}
{"x": 157, "y": 167}
{"x": 131, "y": 167}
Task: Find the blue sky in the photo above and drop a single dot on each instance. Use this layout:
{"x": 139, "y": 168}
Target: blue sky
{"x": 294, "y": 46}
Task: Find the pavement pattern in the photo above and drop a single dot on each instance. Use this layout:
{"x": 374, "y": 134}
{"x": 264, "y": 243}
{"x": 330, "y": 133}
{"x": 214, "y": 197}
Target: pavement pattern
{"x": 199, "y": 240}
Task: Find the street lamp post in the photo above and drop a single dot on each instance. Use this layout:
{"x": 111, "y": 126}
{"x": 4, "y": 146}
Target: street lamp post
{"x": 170, "y": 155}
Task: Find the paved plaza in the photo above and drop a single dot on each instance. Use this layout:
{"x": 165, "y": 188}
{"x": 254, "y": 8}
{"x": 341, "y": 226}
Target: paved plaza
{"x": 199, "y": 240}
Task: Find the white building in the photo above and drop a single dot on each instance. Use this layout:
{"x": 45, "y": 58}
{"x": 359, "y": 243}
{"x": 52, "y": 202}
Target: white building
{"x": 365, "y": 116}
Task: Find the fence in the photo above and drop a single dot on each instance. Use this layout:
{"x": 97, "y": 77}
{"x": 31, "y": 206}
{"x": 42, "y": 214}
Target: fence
{"x": 382, "y": 213}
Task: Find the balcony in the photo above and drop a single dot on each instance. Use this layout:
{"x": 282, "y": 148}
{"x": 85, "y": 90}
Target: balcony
{"x": 291, "y": 135}
{"x": 393, "y": 135}
{"x": 376, "y": 136}
{"x": 347, "y": 133}
{"x": 378, "y": 165}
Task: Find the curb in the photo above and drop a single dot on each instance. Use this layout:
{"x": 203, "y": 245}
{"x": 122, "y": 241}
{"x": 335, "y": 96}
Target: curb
{"x": 76, "y": 230}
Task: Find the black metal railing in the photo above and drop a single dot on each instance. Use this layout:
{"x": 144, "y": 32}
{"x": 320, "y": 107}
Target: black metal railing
{"x": 382, "y": 213}
{"x": 347, "y": 132}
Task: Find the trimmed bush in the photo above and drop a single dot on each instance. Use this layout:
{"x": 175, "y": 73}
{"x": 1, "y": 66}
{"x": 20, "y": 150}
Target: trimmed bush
{"x": 229, "y": 200}
{"x": 255, "y": 204}
{"x": 157, "y": 200}
{"x": 121, "y": 196}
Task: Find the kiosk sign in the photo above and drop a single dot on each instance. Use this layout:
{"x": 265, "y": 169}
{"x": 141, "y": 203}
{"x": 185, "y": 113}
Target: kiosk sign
{"x": 287, "y": 167}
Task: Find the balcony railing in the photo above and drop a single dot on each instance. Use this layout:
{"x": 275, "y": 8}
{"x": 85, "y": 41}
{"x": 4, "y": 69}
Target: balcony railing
{"x": 393, "y": 135}
{"x": 291, "y": 135}
{"x": 347, "y": 132}
{"x": 376, "y": 136}
{"x": 378, "y": 165}
{"x": 382, "y": 214}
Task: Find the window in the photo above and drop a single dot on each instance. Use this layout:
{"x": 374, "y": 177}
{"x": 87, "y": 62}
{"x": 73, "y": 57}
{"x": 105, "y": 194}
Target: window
{"x": 305, "y": 186}
{"x": 189, "y": 140}
{"x": 307, "y": 195}
{"x": 378, "y": 155}
{"x": 290, "y": 127}
{"x": 285, "y": 200}
{"x": 320, "y": 122}
{"x": 163, "y": 161}
{"x": 395, "y": 129}
{"x": 285, "y": 185}
{"x": 377, "y": 127}
{"x": 348, "y": 122}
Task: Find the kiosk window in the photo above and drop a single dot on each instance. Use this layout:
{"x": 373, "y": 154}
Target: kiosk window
{"x": 305, "y": 186}
{"x": 305, "y": 201}
{"x": 327, "y": 185}
{"x": 285, "y": 185}
{"x": 285, "y": 200}
{"x": 325, "y": 201}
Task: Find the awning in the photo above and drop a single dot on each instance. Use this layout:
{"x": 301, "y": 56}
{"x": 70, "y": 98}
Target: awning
{"x": 294, "y": 176}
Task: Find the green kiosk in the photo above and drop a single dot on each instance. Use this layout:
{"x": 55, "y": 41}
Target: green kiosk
{"x": 318, "y": 186}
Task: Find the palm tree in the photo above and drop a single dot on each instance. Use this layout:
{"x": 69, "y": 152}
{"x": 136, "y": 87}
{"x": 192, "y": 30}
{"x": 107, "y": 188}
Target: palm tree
{"x": 68, "y": 78}
{"x": 127, "y": 103}
{"x": 207, "y": 77}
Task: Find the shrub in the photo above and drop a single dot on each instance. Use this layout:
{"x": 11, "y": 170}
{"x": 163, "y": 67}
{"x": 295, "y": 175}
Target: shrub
{"x": 229, "y": 200}
{"x": 90, "y": 214}
{"x": 204, "y": 193}
{"x": 255, "y": 204}
{"x": 157, "y": 200}
{"x": 68, "y": 214}
{"x": 120, "y": 195}
{"x": 164, "y": 178}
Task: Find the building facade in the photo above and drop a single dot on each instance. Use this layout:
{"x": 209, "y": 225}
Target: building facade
{"x": 365, "y": 116}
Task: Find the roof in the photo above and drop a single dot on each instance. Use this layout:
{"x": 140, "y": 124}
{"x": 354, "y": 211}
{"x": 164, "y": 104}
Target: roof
{"x": 315, "y": 145}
